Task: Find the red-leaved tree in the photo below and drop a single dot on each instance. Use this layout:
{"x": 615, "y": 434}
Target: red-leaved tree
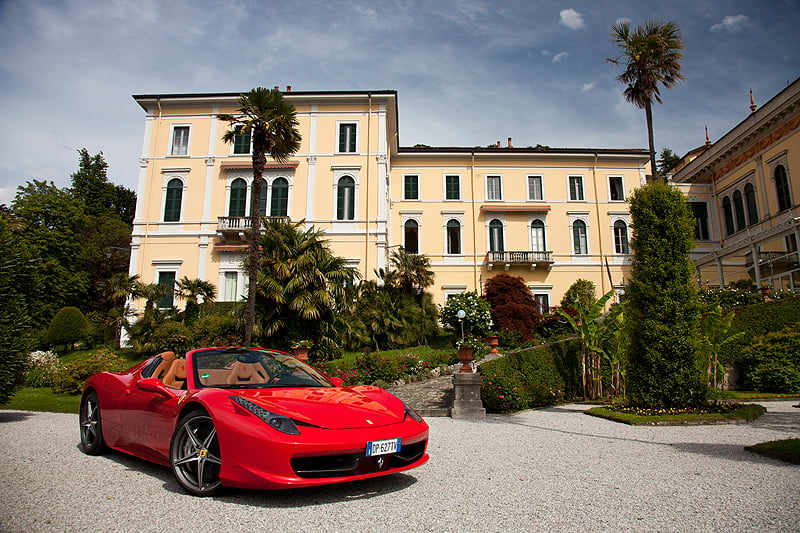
{"x": 512, "y": 304}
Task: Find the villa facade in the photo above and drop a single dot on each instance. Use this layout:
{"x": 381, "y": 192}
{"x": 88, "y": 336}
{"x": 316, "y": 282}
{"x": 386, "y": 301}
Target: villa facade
{"x": 546, "y": 214}
{"x": 743, "y": 190}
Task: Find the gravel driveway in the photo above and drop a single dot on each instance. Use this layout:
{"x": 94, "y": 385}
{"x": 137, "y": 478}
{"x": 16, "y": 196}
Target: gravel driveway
{"x": 546, "y": 470}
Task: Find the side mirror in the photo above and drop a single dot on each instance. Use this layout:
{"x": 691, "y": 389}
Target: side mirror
{"x": 337, "y": 381}
{"x": 153, "y": 385}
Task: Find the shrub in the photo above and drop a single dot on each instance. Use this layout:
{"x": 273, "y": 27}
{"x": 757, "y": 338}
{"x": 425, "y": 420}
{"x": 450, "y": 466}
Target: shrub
{"x": 521, "y": 380}
{"x": 373, "y": 367}
{"x": 70, "y": 378}
{"x": 171, "y": 336}
{"x": 67, "y": 327}
{"x": 216, "y": 330}
{"x": 478, "y": 314}
{"x": 41, "y": 369}
{"x": 509, "y": 338}
{"x": 580, "y": 295}
{"x": 512, "y": 305}
{"x": 774, "y": 376}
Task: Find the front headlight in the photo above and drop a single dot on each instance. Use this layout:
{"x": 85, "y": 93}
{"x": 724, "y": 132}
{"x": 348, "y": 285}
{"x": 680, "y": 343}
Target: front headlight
{"x": 412, "y": 413}
{"x": 279, "y": 422}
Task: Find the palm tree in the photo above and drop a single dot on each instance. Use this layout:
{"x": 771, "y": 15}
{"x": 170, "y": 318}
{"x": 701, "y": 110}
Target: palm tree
{"x": 118, "y": 290}
{"x": 272, "y": 122}
{"x": 190, "y": 290}
{"x": 410, "y": 272}
{"x": 651, "y": 57}
{"x": 152, "y": 293}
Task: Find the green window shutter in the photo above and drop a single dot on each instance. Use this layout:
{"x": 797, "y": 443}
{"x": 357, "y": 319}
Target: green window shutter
{"x": 168, "y": 279}
{"x": 172, "y": 207}
{"x": 238, "y": 198}
{"x": 279, "y": 206}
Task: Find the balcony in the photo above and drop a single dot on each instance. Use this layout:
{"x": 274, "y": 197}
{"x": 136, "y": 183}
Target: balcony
{"x": 533, "y": 260}
{"x": 237, "y": 228}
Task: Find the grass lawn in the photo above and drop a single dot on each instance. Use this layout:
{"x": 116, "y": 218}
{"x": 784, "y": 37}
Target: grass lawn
{"x": 735, "y": 414}
{"x": 786, "y": 450}
{"x": 43, "y": 399}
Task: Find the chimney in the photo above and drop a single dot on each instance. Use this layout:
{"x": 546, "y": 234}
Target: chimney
{"x": 277, "y": 88}
{"x": 708, "y": 142}
{"x": 753, "y": 105}
{"x": 288, "y": 88}
{"x": 509, "y": 143}
{"x": 498, "y": 144}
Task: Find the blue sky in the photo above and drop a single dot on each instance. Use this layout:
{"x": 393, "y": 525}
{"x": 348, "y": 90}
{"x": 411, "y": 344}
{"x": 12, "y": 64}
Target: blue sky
{"x": 468, "y": 72}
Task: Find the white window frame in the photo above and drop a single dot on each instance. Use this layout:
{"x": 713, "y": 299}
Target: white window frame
{"x": 405, "y": 196}
{"x": 584, "y": 217}
{"x": 500, "y": 187}
{"x": 502, "y": 218}
{"x": 338, "y": 173}
{"x": 543, "y": 290}
{"x": 167, "y": 265}
{"x": 444, "y": 188}
{"x": 625, "y": 219}
{"x": 251, "y": 144}
{"x": 543, "y": 218}
{"x": 339, "y": 124}
{"x": 569, "y": 189}
{"x": 621, "y": 184}
{"x": 270, "y": 179}
{"x": 173, "y": 127}
{"x": 541, "y": 187}
{"x": 453, "y": 290}
{"x": 458, "y": 217}
{"x": 416, "y": 217}
{"x": 169, "y": 176}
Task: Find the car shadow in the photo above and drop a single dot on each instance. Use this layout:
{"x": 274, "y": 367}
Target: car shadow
{"x": 285, "y": 498}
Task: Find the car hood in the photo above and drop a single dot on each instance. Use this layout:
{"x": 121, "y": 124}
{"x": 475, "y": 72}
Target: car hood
{"x": 332, "y": 407}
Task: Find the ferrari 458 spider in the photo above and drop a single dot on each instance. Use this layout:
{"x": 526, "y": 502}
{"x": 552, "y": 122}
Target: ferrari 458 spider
{"x": 249, "y": 417}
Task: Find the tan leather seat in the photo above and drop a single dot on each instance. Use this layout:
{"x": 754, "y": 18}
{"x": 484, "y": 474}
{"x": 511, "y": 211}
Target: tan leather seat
{"x": 246, "y": 373}
{"x": 176, "y": 376}
{"x": 167, "y": 358}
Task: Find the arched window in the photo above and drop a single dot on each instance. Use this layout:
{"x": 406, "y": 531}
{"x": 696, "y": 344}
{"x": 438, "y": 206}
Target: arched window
{"x": 621, "y": 237}
{"x": 738, "y": 206}
{"x": 453, "y": 237}
{"x": 346, "y": 199}
{"x": 728, "y": 211}
{"x": 537, "y": 236}
{"x": 496, "y": 236}
{"x": 411, "y": 237}
{"x": 238, "y": 198}
{"x": 262, "y": 200}
{"x": 579, "y": 244}
{"x": 172, "y": 205}
{"x": 750, "y": 202}
{"x": 782, "y": 188}
{"x": 279, "y": 204}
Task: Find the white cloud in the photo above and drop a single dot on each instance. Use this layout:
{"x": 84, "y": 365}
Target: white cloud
{"x": 572, "y": 19}
{"x": 623, "y": 19}
{"x": 7, "y": 194}
{"x": 560, "y": 56}
{"x": 731, "y": 23}
{"x": 586, "y": 87}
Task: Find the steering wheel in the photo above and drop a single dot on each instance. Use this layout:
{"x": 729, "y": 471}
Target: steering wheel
{"x": 279, "y": 376}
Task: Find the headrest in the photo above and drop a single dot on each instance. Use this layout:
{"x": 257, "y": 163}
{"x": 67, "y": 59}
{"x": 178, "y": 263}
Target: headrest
{"x": 167, "y": 356}
{"x": 249, "y": 357}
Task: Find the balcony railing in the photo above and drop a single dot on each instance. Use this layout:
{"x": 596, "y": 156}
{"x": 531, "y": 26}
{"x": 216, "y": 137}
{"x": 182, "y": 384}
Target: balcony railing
{"x": 526, "y": 258}
{"x": 237, "y": 226}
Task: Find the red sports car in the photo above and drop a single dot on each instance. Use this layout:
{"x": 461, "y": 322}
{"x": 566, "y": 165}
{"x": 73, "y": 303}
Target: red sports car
{"x": 249, "y": 417}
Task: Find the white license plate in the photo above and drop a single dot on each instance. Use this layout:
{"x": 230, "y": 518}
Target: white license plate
{"x": 382, "y": 447}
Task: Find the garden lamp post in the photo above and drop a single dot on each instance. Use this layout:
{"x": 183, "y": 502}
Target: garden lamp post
{"x": 461, "y": 314}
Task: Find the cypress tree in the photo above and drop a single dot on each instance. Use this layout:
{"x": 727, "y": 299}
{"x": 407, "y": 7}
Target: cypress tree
{"x": 665, "y": 359}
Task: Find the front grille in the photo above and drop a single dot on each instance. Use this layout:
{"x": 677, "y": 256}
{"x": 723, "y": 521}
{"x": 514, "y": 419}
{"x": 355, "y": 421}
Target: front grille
{"x": 352, "y": 464}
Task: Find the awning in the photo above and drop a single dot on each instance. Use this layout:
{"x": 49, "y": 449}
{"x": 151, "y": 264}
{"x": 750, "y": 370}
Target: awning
{"x": 223, "y": 247}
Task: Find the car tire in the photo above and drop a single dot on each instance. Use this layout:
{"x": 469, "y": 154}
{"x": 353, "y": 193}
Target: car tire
{"x": 91, "y": 426}
{"x": 194, "y": 455}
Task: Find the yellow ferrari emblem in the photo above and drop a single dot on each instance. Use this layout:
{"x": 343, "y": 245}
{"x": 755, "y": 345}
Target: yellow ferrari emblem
{"x": 203, "y": 453}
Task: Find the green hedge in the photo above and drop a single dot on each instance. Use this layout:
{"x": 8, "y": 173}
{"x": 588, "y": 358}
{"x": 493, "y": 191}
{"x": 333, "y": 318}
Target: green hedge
{"x": 522, "y": 380}
{"x": 758, "y": 320}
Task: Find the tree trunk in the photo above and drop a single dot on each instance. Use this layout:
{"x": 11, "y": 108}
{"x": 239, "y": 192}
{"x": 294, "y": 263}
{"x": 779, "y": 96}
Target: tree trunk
{"x": 259, "y": 161}
{"x": 648, "y": 111}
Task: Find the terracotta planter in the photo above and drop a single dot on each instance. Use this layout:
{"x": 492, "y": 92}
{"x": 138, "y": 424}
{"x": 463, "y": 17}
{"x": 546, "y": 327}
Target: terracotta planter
{"x": 493, "y": 341}
{"x": 465, "y": 356}
{"x": 301, "y": 353}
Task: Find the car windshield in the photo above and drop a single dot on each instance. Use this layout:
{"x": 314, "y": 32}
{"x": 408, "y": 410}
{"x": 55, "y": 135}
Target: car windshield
{"x": 251, "y": 368}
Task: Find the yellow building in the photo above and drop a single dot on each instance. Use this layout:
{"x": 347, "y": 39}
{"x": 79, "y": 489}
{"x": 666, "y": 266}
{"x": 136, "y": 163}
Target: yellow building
{"x": 548, "y": 215}
{"x": 744, "y": 191}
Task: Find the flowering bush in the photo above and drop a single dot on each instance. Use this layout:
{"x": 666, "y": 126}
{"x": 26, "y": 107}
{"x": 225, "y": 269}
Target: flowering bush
{"x": 470, "y": 341}
{"x": 70, "y": 378}
{"x": 302, "y": 344}
{"x": 478, "y": 316}
{"x": 41, "y": 368}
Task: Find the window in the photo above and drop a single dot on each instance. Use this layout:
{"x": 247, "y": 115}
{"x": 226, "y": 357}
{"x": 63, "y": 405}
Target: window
{"x": 621, "y": 237}
{"x": 728, "y": 212}
{"x": 241, "y": 141}
{"x": 347, "y": 137}
{"x": 411, "y": 187}
{"x": 615, "y": 191}
{"x": 579, "y": 244}
{"x": 750, "y": 202}
{"x": 791, "y": 243}
{"x": 576, "y": 188}
{"x": 279, "y": 203}
{"x": 452, "y": 187}
{"x": 494, "y": 188}
{"x": 238, "y": 201}
{"x": 535, "y": 188}
{"x": 700, "y": 212}
{"x": 262, "y": 200}
{"x": 542, "y": 303}
{"x": 167, "y": 278}
{"x": 172, "y": 205}
{"x": 231, "y": 294}
{"x": 180, "y": 140}
{"x": 537, "y": 236}
{"x": 411, "y": 232}
{"x": 738, "y": 206}
{"x": 496, "y": 236}
{"x": 453, "y": 237}
{"x": 782, "y": 188}
{"x": 345, "y": 199}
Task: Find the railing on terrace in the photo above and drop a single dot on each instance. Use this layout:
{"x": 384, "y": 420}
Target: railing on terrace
{"x": 525, "y": 257}
{"x": 240, "y": 226}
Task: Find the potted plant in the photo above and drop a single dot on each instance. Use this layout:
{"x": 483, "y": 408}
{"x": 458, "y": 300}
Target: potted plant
{"x": 301, "y": 348}
{"x": 493, "y": 340}
{"x": 466, "y": 349}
